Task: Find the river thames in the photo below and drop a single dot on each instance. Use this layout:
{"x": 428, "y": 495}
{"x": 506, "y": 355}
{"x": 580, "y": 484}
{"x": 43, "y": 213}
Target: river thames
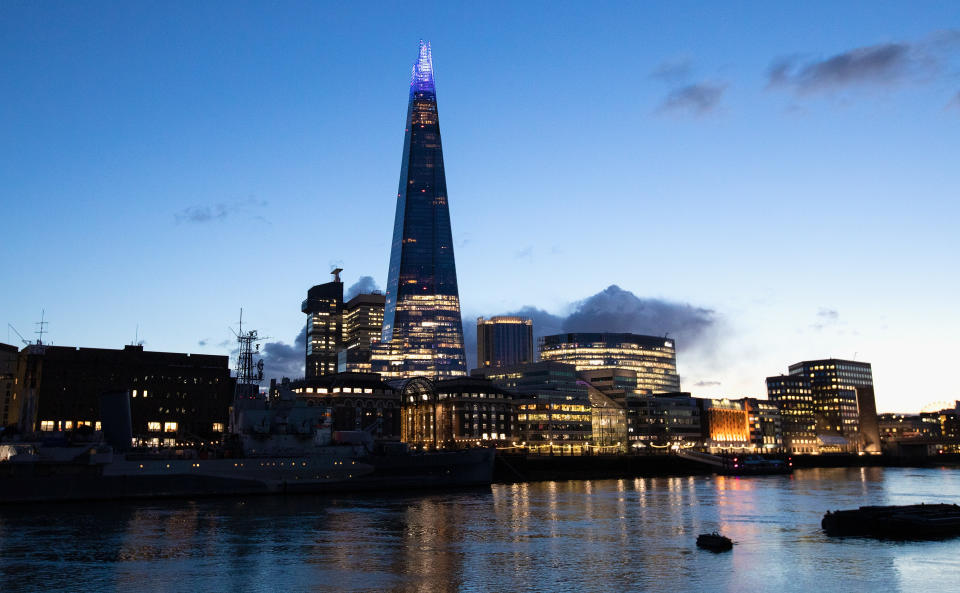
{"x": 600, "y": 535}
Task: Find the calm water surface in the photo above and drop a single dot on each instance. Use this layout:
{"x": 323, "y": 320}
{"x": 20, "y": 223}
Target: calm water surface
{"x": 602, "y": 535}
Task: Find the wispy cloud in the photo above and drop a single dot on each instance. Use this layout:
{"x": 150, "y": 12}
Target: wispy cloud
{"x": 883, "y": 65}
{"x": 955, "y": 102}
{"x": 707, "y": 384}
{"x": 694, "y": 99}
{"x": 825, "y": 317}
{"x": 220, "y": 211}
{"x": 674, "y": 70}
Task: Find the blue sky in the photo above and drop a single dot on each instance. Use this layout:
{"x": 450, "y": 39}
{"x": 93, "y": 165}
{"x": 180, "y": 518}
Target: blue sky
{"x": 164, "y": 164}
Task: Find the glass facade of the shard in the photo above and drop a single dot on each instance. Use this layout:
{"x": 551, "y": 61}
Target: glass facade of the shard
{"x": 422, "y": 328}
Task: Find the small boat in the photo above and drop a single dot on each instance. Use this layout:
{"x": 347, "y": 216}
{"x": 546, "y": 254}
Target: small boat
{"x": 714, "y": 542}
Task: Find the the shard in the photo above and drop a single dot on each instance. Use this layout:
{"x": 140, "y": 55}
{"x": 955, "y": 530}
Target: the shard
{"x": 422, "y": 328}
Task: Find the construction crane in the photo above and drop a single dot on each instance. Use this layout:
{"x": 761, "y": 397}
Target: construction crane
{"x": 25, "y": 341}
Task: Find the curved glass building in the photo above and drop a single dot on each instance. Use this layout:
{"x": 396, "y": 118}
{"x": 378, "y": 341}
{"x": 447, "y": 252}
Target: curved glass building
{"x": 653, "y": 358}
{"x": 422, "y": 328}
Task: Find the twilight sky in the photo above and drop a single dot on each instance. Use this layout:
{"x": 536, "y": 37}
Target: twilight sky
{"x": 767, "y": 182}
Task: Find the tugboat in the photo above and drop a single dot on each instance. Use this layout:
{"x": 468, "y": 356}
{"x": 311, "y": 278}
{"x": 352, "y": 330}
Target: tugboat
{"x": 714, "y": 542}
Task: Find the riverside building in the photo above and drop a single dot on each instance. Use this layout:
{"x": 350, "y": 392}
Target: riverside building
{"x": 174, "y": 398}
{"x": 792, "y": 394}
{"x": 842, "y": 403}
{"x": 554, "y": 409}
{"x": 504, "y": 341}
{"x": 422, "y": 328}
{"x": 653, "y": 359}
{"x": 456, "y": 413}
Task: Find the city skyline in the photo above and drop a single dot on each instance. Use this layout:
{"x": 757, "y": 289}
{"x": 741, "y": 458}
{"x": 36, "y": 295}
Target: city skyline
{"x": 854, "y": 232}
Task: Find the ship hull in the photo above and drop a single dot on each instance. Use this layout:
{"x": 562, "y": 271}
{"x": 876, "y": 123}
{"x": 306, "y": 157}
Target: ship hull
{"x": 138, "y": 479}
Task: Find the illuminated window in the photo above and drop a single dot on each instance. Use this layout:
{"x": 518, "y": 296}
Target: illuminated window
{"x": 218, "y": 427}
{"x": 169, "y": 427}
{"x": 153, "y": 426}
{"x": 47, "y": 425}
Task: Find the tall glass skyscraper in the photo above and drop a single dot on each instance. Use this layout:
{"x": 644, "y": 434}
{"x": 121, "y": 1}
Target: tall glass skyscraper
{"x": 422, "y": 328}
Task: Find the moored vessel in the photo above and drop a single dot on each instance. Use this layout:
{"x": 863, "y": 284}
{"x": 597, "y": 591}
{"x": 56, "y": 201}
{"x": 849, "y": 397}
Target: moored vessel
{"x": 916, "y": 521}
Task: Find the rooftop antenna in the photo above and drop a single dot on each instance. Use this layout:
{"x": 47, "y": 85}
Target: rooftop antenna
{"x": 855, "y": 355}
{"x": 336, "y": 274}
{"x": 42, "y": 325}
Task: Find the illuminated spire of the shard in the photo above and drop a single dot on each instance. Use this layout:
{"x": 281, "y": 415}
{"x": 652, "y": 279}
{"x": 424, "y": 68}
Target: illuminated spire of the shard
{"x": 422, "y": 329}
{"x": 422, "y": 79}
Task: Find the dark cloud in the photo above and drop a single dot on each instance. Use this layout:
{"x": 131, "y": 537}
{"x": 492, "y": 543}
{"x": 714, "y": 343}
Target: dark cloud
{"x": 616, "y": 310}
{"x": 219, "y": 211}
{"x": 697, "y": 99}
{"x": 674, "y": 70}
{"x": 202, "y": 343}
{"x": 364, "y": 285}
{"x": 283, "y": 360}
{"x": 707, "y": 384}
{"x": 881, "y": 65}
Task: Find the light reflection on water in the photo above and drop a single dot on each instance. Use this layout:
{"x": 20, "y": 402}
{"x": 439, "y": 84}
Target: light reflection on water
{"x": 600, "y": 535}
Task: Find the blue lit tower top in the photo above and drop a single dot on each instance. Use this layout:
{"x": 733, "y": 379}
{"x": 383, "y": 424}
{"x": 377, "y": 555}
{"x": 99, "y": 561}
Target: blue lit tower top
{"x": 421, "y": 81}
{"x": 422, "y": 329}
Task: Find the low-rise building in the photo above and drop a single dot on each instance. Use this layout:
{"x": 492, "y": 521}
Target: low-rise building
{"x": 725, "y": 424}
{"x": 456, "y": 413}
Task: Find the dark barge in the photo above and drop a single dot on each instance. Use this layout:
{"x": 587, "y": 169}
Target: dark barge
{"x": 906, "y": 522}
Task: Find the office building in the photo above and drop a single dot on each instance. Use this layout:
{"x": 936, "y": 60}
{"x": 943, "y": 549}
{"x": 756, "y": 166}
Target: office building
{"x": 422, "y": 328}
{"x": 504, "y": 341}
{"x": 174, "y": 398}
{"x": 615, "y": 383}
{"x": 793, "y": 396}
{"x": 324, "y": 309}
{"x": 838, "y": 407}
{"x": 554, "y": 411}
{"x": 653, "y": 359}
{"x": 765, "y": 422}
{"x": 362, "y": 328}
{"x": 663, "y": 420}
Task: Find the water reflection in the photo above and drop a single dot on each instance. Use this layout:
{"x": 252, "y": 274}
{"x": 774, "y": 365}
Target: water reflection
{"x": 597, "y": 535}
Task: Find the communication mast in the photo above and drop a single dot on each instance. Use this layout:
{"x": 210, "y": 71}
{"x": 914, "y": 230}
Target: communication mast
{"x": 249, "y": 374}
{"x": 41, "y": 327}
